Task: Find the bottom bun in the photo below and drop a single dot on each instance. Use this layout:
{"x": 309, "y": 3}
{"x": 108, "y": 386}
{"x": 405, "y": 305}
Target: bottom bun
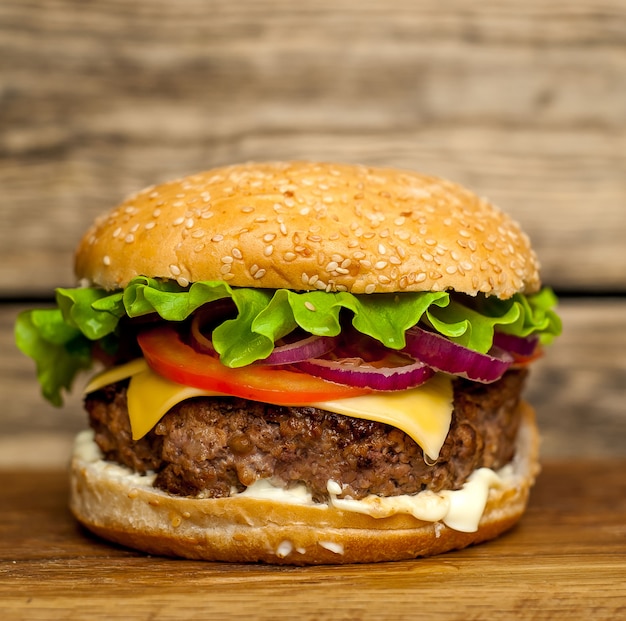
{"x": 123, "y": 507}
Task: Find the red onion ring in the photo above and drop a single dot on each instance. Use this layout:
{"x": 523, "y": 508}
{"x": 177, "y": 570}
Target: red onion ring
{"x": 444, "y": 355}
{"x": 309, "y": 347}
{"x": 205, "y": 320}
{"x": 355, "y": 372}
{"x": 303, "y": 349}
{"x": 516, "y": 344}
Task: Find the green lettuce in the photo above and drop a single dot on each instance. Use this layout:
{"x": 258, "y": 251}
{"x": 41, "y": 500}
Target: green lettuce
{"x": 60, "y": 339}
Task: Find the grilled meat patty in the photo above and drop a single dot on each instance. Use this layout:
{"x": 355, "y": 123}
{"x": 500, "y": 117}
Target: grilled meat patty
{"x": 209, "y": 446}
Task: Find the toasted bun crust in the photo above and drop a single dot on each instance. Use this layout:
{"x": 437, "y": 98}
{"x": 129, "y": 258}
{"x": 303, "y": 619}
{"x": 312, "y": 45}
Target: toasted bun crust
{"x": 115, "y": 504}
{"x": 306, "y": 226}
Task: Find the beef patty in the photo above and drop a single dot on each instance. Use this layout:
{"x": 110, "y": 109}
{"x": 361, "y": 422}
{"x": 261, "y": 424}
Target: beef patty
{"x": 209, "y": 446}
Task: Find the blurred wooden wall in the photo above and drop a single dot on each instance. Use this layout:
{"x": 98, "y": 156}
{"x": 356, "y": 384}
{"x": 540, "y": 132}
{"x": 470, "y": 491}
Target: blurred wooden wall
{"x": 523, "y": 102}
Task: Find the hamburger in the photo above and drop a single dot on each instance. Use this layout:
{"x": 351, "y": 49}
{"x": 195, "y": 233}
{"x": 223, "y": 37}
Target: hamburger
{"x": 299, "y": 363}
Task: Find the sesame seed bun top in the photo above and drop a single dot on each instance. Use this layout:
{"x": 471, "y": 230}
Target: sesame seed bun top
{"x": 306, "y": 226}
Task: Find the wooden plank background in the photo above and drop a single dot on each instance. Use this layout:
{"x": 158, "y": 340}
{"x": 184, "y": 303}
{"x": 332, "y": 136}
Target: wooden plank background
{"x": 523, "y": 102}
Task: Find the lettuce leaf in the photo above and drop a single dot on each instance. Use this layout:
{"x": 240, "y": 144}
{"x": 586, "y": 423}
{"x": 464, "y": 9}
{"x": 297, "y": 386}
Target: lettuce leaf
{"x": 59, "y": 350}
{"x": 60, "y": 339}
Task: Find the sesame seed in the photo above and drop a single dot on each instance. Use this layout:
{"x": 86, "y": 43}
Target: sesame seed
{"x": 175, "y": 270}
{"x": 117, "y": 231}
{"x": 178, "y": 221}
{"x": 130, "y": 238}
{"x": 217, "y": 238}
{"x": 379, "y": 265}
{"x": 189, "y": 223}
{"x": 183, "y": 282}
{"x": 106, "y": 260}
{"x": 310, "y": 306}
{"x": 236, "y": 253}
{"x": 224, "y": 269}
{"x": 259, "y": 274}
{"x": 149, "y": 225}
{"x": 267, "y": 251}
{"x": 370, "y": 288}
{"x": 226, "y": 259}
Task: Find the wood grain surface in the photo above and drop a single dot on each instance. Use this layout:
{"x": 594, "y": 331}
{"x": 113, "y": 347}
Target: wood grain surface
{"x": 523, "y": 102}
{"x": 566, "y": 559}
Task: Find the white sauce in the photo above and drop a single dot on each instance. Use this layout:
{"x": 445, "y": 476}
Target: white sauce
{"x": 460, "y": 509}
{"x": 284, "y": 549}
{"x": 336, "y": 548}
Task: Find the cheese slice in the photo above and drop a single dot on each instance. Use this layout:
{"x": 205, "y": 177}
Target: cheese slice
{"x": 423, "y": 413}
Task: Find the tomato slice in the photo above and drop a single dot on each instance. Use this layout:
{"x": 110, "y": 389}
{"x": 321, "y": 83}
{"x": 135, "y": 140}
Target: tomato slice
{"x": 167, "y": 354}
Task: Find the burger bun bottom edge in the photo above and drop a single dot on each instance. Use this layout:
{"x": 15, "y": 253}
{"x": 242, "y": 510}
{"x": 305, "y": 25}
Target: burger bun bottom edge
{"x": 123, "y": 507}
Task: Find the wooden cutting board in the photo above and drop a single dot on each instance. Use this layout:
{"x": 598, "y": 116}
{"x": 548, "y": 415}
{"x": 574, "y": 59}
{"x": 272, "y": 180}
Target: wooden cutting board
{"x": 566, "y": 559}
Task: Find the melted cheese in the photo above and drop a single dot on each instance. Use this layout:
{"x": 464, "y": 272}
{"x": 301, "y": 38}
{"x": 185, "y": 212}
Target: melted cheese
{"x": 423, "y": 413}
